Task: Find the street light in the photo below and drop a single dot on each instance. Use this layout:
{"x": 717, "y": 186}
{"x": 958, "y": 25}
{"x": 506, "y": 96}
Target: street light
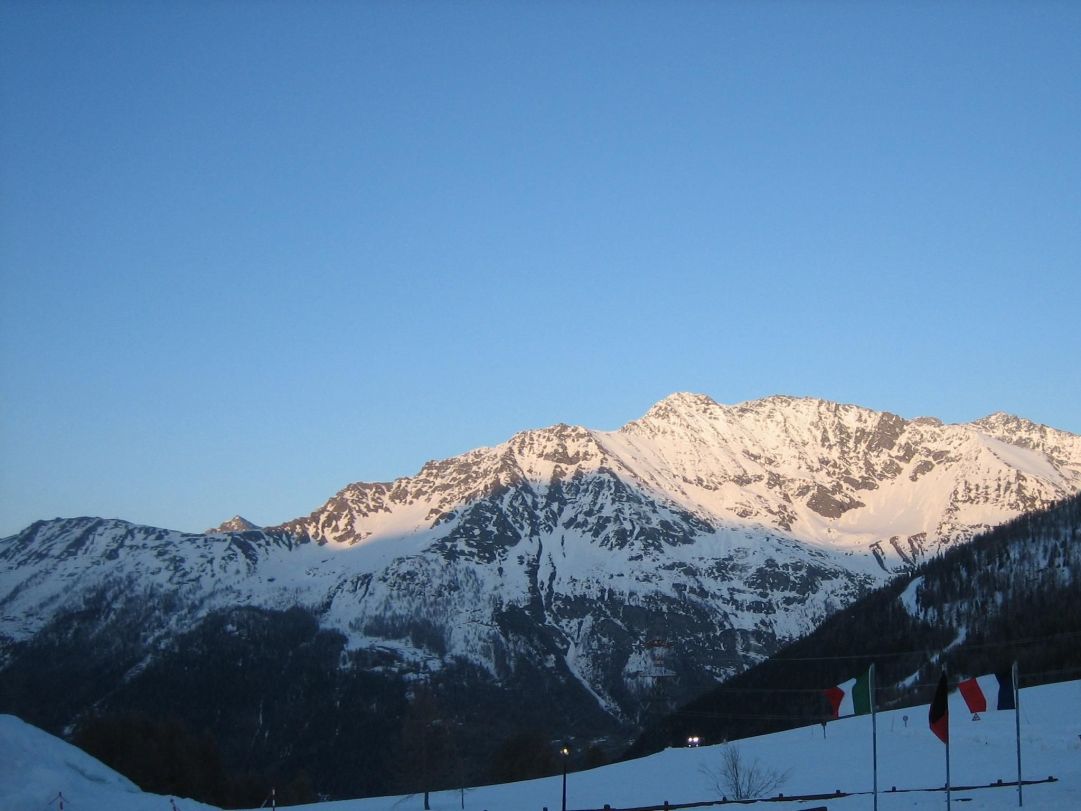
{"x": 565, "y": 752}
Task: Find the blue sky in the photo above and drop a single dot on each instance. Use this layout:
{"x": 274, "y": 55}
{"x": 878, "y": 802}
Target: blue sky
{"x": 251, "y": 252}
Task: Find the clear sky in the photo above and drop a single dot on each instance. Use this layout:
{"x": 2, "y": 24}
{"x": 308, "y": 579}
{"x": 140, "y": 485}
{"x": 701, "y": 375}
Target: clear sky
{"x": 253, "y": 251}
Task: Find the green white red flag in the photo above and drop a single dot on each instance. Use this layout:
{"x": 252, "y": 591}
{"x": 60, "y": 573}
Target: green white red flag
{"x": 852, "y": 697}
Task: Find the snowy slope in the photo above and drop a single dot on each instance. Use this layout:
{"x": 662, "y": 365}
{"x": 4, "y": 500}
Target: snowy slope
{"x": 909, "y": 757}
{"x": 34, "y": 767}
{"x": 39, "y": 771}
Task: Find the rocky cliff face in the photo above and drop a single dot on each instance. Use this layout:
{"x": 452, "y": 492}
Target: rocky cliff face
{"x": 635, "y": 566}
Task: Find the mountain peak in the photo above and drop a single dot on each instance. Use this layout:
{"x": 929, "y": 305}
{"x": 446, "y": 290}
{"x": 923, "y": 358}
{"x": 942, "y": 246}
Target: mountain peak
{"x": 682, "y": 404}
{"x": 1001, "y": 420}
{"x": 689, "y": 398}
{"x": 1019, "y": 430}
{"x": 237, "y": 523}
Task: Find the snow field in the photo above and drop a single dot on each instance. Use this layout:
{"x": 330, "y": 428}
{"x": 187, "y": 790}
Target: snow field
{"x": 909, "y": 756}
{"x": 35, "y": 767}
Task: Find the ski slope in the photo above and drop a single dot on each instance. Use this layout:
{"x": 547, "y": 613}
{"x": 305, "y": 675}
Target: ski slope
{"x": 35, "y": 767}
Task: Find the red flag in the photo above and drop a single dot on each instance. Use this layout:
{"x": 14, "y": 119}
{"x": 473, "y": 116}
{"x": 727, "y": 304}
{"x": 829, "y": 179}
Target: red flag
{"x": 972, "y": 694}
{"x": 991, "y": 692}
{"x": 939, "y": 716}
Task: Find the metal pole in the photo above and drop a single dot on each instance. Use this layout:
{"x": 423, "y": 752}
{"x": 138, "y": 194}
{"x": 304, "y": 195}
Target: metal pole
{"x": 1017, "y": 727}
{"x": 564, "y": 783}
{"x": 874, "y": 731}
{"x": 947, "y": 772}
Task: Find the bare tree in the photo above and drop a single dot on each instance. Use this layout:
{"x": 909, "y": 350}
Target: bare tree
{"x": 736, "y": 779}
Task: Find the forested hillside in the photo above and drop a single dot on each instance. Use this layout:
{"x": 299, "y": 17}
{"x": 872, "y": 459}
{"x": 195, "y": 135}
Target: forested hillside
{"x": 1013, "y": 593}
{"x": 202, "y": 719}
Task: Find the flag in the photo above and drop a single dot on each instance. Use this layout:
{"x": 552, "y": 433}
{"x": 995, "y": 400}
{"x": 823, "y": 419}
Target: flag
{"x": 939, "y": 715}
{"x": 851, "y": 698}
{"x": 990, "y": 692}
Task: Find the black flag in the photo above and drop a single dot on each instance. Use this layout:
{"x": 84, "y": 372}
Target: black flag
{"x": 939, "y": 716}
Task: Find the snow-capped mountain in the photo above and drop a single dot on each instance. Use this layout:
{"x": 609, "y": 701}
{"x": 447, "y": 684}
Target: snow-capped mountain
{"x": 838, "y": 476}
{"x": 689, "y": 543}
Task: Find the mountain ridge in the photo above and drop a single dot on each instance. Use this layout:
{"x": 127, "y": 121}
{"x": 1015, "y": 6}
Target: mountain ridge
{"x": 752, "y": 437}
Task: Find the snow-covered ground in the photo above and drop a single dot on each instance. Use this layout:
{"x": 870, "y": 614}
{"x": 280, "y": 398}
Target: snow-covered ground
{"x": 35, "y": 768}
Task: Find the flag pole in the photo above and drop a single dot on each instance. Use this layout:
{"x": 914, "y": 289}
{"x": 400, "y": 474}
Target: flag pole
{"x": 874, "y": 731}
{"x": 946, "y": 706}
{"x": 939, "y": 719}
{"x": 947, "y": 774}
{"x": 1017, "y": 727}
